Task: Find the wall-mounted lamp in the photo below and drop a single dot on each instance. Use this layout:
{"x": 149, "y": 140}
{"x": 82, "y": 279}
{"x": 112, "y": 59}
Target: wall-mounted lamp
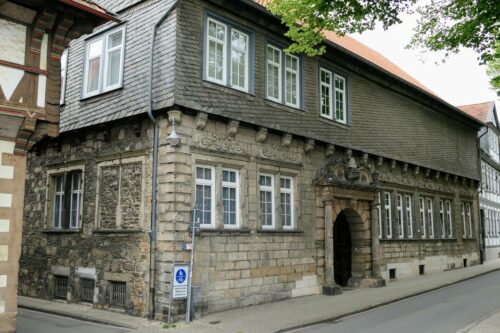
{"x": 173, "y": 138}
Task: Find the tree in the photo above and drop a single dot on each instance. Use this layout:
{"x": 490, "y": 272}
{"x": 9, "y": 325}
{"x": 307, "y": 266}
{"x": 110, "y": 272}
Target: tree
{"x": 443, "y": 25}
{"x": 493, "y": 71}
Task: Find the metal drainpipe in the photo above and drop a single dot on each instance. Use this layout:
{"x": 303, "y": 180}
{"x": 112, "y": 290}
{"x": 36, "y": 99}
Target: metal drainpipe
{"x": 154, "y": 176}
{"x": 482, "y": 245}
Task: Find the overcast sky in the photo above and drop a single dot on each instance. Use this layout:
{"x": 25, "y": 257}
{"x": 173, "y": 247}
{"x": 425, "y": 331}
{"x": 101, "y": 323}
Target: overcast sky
{"x": 459, "y": 81}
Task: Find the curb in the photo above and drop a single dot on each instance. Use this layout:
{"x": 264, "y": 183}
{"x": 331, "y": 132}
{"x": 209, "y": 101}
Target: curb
{"x": 78, "y": 317}
{"x": 347, "y": 314}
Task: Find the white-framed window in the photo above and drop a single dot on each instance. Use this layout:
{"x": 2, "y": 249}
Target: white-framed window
{"x": 399, "y": 210}
{"x": 409, "y": 216}
{"x": 230, "y": 69}
{"x": 379, "y": 214}
{"x": 464, "y": 223}
{"x": 230, "y": 197}
{"x": 76, "y": 199}
{"x": 388, "y": 214}
{"x": 423, "y": 231}
{"x": 273, "y": 73}
{"x": 449, "y": 220}
{"x": 64, "y": 65}
{"x": 430, "y": 217}
{"x": 104, "y": 56}
{"x": 266, "y": 193}
{"x": 205, "y": 196}
{"x": 292, "y": 80}
{"x": 67, "y": 199}
{"x": 333, "y": 96}
{"x": 325, "y": 83}
{"x": 58, "y": 200}
{"x": 340, "y": 99}
{"x": 286, "y": 201}
{"x": 441, "y": 218}
{"x": 469, "y": 219}
{"x": 283, "y": 77}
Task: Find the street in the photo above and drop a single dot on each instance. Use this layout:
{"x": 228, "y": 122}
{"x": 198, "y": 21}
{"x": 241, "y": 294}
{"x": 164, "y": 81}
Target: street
{"x": 38, "y": 322}
{"x": 446, "y": 310}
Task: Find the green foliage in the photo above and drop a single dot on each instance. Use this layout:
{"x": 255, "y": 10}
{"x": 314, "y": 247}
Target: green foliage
{"x": 443, "y": 25}
{"x": 493, "y": 70}
{"x": 341, "y": 16}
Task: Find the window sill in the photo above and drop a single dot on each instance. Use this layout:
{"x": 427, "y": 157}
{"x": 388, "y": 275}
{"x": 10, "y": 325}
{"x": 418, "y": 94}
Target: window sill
{"x": 61, "y": 231}
{"x": 228, "y": 89}
{"x": 101, "y": 94}
{"x": 283, "y": 106}
{"x": 469, "y": 238}
{"x": 280, "y": 232}
{"x": 416, "y": 239}
{"x": 117, "y": 231}
{"x": 216, "y": 232}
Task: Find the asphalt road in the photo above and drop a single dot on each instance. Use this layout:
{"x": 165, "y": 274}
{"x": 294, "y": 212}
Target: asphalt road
{"x": 446, "y": 310}
{"x": 38, "y": 322}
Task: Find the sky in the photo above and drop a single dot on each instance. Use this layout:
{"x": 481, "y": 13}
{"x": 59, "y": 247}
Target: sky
{"x": 459, "y": 81}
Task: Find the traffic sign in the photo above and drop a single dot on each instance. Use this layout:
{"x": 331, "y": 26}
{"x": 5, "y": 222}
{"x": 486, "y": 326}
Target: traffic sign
{"x": 180, "y": 281}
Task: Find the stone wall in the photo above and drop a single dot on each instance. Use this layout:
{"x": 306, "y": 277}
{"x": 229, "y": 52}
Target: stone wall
{"x": 111, "y": 242}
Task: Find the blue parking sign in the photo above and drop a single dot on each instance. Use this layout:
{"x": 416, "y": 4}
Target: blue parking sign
{"x": 179, "y": 281}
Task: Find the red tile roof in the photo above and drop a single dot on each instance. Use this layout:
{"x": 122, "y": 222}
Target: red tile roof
{"x": 363, "y": 51}
{"x": 479, "y": 111}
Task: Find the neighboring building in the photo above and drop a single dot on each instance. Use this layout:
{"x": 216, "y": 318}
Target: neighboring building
{"x": 489, "y": 197}
{"x": 307, "y": 173}
{"x": 33, "y": 35}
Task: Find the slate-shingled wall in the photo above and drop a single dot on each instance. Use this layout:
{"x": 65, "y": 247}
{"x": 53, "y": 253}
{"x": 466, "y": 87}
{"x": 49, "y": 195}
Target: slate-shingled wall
{"x": 382, "y": 121}
{"x": 132, "y": 98}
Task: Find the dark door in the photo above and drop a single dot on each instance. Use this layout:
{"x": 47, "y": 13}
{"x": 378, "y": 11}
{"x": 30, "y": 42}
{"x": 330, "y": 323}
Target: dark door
{"x": 342, "y": 250}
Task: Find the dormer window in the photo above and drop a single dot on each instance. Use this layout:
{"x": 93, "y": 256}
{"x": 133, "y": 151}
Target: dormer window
{"x": 104, "y": 62}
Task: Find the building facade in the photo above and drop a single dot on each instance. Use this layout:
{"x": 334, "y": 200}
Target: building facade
{"x": 34, "y": 35}
{"x": 305, "y": 175}
{"x": 489, "y": 197}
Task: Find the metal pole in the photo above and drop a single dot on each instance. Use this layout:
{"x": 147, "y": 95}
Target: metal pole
{"x": 190, "y": 276}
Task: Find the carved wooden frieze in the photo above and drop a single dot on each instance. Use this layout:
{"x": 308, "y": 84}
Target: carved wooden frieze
{"x": 224, "y": 143}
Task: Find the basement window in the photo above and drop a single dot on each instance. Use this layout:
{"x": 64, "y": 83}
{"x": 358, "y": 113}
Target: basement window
{"x": 118, "y": 292}
{"x": 392, "y": 274}
{"x": 61, "y": 287}
{"x": 88, "y": 286}
{"x": 421, "y": 269}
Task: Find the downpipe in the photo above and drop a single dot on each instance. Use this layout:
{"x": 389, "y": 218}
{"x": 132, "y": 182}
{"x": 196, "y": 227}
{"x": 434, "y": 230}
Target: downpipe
{"x": 481, "y": 234}
{"x": 154, "y": 176}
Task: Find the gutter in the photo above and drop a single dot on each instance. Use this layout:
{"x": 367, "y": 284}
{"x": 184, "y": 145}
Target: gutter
{"x": 482, "y": 242}
{"x": 154, "y": 176}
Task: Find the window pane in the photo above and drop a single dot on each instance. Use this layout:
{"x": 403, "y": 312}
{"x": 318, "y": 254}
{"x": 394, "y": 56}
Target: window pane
{"x": 238, "y": 59}
{"x": 95, "y": 49}
{"x": 93, "y": 75}
{"x": 115, "y": 39}
{"x": 113, "y": 75}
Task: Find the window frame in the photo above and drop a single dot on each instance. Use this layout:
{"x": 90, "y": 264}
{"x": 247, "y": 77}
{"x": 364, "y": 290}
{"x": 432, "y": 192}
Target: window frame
{"x": 430, "y": 216}
{"x": 388, "y": 214}
{"x": 399, "y": 213}
{"x": 64, "y": 172}
{"x": 297, "y": 79}
{"x": 469, "y": 218}
{"x": 334, "y": 74}
{"x": 64, "y": 76}
{"x": 379, "y": 213}
{"x": 282, "y": 76}
{"x": 422, "y": 218}
{"x": 273, "y": 203}
{"x": 409, "y": 215}
{"x": 104, "y": 62}
{"x": 292, "y": 206}
{"x": 449, "y": 217}
{"x": 212, "y": 184}
{"x": 79, "y": 193}
{"x": 227, "y": 78}
{"x": 442, "y": 218}
{"x": 236, "y": 186}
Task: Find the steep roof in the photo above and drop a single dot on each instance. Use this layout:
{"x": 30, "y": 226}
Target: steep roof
{"x": 90, "y": 7}
{"x": 360, "y": 49}
{"x": 479, "y": 111}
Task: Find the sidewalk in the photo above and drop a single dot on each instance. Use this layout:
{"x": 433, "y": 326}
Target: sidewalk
{"x": 279, "y": 316}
